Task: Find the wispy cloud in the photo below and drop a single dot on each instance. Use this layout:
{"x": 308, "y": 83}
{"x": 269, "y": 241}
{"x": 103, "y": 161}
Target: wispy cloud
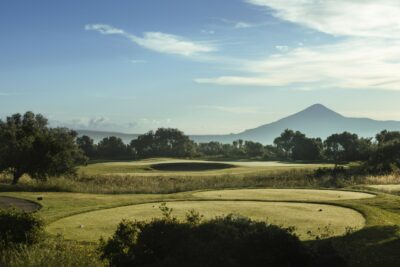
{"x": 362, "y": 18}
{"x": 349, "y": 64}
{"x": 367, "y": 57}
{"x": 157, "y": 41}
{"x": 92, "y": 123}
{"x": 138, "y": 61}
{"x": 243, "y": 25}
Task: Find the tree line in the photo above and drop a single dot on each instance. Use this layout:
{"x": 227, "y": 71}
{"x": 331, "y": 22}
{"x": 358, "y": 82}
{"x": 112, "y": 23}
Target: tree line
{"x": 289, "y": 146}
{"x": 29, "y": 146}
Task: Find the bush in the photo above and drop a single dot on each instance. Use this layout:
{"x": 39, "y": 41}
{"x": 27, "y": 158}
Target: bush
{"x": 50, "y": 253}
{"x": 18, "y": 227}
{"x": 223, "y": 241}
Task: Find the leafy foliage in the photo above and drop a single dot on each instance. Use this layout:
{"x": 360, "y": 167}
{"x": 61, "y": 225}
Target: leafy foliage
{"x": 224, "y": 241}
{"x": 29, "y": 146}
{"x": 19, "y": 227}
{"x": 114, "y": 148}
{"x": 165, "y": 142}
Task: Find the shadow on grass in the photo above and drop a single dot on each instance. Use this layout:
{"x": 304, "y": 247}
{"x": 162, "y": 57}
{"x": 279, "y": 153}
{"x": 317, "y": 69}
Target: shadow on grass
{"x": 371, "y": 246}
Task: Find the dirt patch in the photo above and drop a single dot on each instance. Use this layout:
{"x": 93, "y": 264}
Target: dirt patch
{"x": 18, "y": 203}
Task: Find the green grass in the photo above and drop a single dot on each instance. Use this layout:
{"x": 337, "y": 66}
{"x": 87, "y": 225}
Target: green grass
{"x": 283, "y": 194}
{"x": 375, "y": 245}
{"x": 141, "y": 177}
{"x": 110, "y": 185}
{"x": 317, "y": 219}
{"x": 179, "y": 167}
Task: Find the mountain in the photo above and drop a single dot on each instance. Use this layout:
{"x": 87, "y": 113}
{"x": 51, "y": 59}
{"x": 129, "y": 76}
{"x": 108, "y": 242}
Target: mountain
{"x": 315, "y": 121}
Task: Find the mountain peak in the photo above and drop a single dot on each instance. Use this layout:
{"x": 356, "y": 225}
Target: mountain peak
{"x": 319, "y": 110}
{"x": 317, "y": 107}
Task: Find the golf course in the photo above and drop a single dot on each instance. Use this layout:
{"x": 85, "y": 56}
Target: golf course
{"x": 312, "y": 213}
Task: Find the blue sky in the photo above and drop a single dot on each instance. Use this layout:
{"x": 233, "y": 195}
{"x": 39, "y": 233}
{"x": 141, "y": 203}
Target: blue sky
{"x": 204, "y": 66}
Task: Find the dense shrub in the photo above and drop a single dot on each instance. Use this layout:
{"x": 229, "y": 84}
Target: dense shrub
{"x": 19, "y": 227}
{"x": 224, "y": 241}
{"x": 50, "y": 253}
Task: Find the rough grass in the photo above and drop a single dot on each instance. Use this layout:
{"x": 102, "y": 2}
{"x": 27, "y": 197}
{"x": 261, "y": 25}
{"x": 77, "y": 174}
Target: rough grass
{"x": 53, "y": 252}
{"x": 389, "y": 188}
{"x": 156, "y": 184}
{"x": 309, "y": 220}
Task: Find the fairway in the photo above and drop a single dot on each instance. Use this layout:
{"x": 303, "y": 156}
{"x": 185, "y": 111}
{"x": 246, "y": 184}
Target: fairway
{"x": 319, "y": 219}
{"x": 283, "y": 194}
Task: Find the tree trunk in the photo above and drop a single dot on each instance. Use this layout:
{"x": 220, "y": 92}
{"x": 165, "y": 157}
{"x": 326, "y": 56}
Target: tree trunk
{"x": 16, "y": 176}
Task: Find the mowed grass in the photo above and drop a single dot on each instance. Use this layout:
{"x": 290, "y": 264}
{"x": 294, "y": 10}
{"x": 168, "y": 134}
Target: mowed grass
{"x": 309, "y": 220}
{"x": 57, "y": 205}
{"x": 284, "y": 194}
{"x": 180, "y": 167}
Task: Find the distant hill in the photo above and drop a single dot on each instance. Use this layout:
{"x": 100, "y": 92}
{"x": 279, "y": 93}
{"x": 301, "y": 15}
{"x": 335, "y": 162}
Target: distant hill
{"x": 315, "y": 121}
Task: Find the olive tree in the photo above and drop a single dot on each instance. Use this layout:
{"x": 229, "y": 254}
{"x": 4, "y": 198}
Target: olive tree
{"x": 29, "y": 146}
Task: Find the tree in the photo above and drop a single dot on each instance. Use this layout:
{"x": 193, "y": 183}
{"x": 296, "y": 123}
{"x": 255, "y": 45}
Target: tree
{"x": 385, "y": 137}
{"x": 307, "y": 148}
{"x": 114, "y": 148}
{"x": 385, "y": 158}
{"x": 287, "y": 141}
{"x": 29, "y": 146}
{"x": 210, "y": 149}
{"x": 347, "y": 147}
{"x": 253, "y": 149}
{"x": 86, "y": 144}
{"x": 165, "y": 142}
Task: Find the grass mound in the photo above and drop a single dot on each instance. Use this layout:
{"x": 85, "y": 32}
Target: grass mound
{"x": 191, "y": 166}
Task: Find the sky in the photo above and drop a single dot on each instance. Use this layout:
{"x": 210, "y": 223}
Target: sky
{"x": 203, "y": 66}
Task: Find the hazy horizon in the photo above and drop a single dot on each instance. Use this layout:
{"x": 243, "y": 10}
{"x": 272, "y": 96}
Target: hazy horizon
{"x": 204, "y": 66}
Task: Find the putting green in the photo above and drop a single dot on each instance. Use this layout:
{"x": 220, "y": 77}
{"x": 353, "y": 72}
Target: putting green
{"x": 283, "y": 194}
{"x": 319, "y": 219}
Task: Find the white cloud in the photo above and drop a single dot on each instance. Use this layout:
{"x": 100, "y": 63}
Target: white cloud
{"x": 350, "y": 64}
{"x": 368, "y": 57}
{"x": 157, "y": 41}
{"x": 243, "y": 25}
{"x": 362, "y": 18}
